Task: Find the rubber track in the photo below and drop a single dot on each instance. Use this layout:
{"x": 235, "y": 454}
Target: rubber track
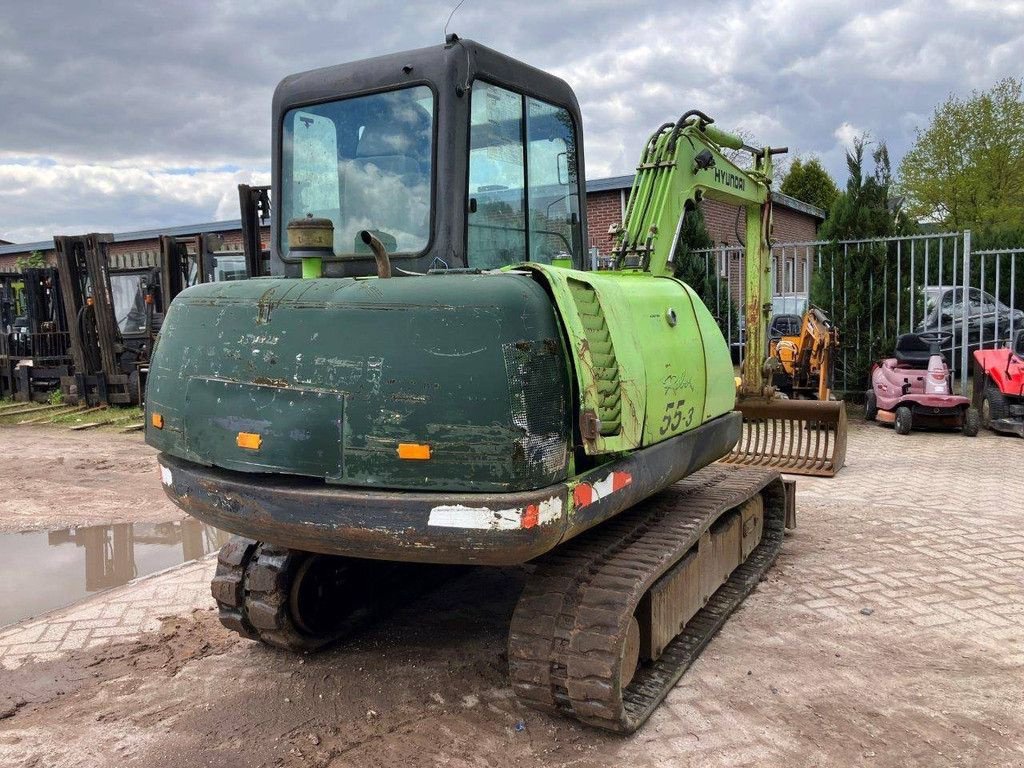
{"x": 251, "y": 588}
{"x": 569, "y": 624}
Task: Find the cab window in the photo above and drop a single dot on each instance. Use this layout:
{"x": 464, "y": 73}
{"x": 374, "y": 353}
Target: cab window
{"x": 523, "y": 181}
{"x": 364, "y": 162}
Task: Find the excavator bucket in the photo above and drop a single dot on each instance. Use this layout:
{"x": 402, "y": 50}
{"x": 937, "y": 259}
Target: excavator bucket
{"x": 799, "y": 437}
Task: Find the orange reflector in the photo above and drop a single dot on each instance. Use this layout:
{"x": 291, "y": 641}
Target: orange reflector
{"x": 413, "y": 451}
{"x": 249, "y": 440}
{"x": 157, "y": 420}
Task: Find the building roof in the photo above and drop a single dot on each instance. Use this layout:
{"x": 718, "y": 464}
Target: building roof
{"x": 608, "y": 184}
{"x": 613, "y": 183}
{"x": 141, "y": 234}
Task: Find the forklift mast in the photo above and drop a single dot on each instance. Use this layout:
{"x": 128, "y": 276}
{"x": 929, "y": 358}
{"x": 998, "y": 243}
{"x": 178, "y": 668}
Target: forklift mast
{"x": 9, "y": 300}
{"x": 44, "y": 309}
{"x": 97, "y": 345}
{"x": 254, "y": 205}
{"x": 34, "y": 356}
{"x": 186, "y": 261}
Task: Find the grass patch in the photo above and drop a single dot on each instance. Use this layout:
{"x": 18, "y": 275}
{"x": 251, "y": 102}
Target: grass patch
{"x": 123, "y": 415}
{"x": 116, "y": 416}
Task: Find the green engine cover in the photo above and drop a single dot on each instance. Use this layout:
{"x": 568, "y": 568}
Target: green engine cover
{"x": 650, "y": 361}
{"x": 327, "y": 378}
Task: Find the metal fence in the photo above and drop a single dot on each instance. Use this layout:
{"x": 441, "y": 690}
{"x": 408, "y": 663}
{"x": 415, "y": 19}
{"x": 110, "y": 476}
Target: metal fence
{"x": 1000, "y": 298}
{"x": 914, "y": 283}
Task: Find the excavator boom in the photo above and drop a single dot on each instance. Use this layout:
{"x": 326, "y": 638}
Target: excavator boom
{"x": 683, "y": 163}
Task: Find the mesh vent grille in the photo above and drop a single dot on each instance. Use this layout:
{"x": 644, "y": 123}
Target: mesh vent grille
{"x": 536, "y": 377}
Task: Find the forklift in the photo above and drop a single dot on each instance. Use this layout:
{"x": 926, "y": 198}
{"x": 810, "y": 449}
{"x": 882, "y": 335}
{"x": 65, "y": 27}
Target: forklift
{"x": 117, "y": 310}
{"x": 113, "y": 318}
{"x": 34, "y": 353}
{"x": 254, "y": 205}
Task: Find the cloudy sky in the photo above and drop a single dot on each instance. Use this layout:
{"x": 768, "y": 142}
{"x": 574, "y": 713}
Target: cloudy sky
{"x": 124, "y": 115}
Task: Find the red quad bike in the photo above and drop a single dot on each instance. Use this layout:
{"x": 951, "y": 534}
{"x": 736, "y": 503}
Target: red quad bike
{"x": 999, "y": 387}
{"x": 911, "y": 390}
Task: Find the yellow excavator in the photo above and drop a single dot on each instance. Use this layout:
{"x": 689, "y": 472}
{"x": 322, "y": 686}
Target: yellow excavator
{"x": 802, "y": 361}
{"x": 792, "y": 423}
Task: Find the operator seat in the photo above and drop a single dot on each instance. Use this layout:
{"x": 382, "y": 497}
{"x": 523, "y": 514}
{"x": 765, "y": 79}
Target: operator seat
{"x": 785, "y": 325}
{"x": 914, "y": 352}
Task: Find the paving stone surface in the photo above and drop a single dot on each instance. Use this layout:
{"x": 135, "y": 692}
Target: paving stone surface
{"x": 925, "y": 526}
{"x": 118, "y": 614}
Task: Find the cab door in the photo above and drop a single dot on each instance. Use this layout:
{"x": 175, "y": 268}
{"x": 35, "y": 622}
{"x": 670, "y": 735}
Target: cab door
{"x": 524, "y": 187}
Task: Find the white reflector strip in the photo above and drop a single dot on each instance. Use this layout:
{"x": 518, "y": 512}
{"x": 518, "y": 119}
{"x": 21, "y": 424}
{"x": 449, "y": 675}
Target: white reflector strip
{"x": 481, "y": 518}
{"x": 484, "y": 519}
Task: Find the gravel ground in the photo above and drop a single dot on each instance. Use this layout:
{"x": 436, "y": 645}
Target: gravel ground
{"x": 54, "y": 478}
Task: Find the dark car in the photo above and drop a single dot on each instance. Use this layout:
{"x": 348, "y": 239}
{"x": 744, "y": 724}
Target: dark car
{"x": 989, "y": 321}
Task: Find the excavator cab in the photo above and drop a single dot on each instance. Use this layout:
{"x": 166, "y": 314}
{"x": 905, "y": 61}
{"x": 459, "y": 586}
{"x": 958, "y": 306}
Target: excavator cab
{"x": 381, "y": 145}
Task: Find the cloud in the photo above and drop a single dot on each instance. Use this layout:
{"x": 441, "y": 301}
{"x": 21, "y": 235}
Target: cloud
{"x": 846, "y": 133}
{"x": 146, "y": 114}
{"x": 53, "y": 197}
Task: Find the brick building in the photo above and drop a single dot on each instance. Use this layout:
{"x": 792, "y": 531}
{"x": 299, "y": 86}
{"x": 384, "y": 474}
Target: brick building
{"x": 794, "y": 222}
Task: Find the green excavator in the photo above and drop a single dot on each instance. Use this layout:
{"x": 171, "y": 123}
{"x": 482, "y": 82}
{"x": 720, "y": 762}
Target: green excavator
{"x": 434, "y": 376}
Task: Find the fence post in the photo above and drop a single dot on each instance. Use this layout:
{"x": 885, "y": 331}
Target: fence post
{"x": 966, "y": 279}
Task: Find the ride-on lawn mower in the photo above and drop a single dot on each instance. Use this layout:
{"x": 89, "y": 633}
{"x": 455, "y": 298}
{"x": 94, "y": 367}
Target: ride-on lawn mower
{"x": 911, "y": 390}
{"x": 999, "y": 387}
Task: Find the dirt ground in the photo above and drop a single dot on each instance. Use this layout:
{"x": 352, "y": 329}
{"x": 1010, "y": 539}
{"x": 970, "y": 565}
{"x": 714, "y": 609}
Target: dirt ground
{"x": 890, "y": 633}
{"x": 54, "y": 478}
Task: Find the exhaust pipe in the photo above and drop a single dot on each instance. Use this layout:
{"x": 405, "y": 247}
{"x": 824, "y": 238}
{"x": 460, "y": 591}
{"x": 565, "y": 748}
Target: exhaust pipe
{"x": 379, "y": 253}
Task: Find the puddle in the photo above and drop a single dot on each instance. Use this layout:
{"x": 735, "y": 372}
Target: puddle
{"x": 44, "y": 570}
